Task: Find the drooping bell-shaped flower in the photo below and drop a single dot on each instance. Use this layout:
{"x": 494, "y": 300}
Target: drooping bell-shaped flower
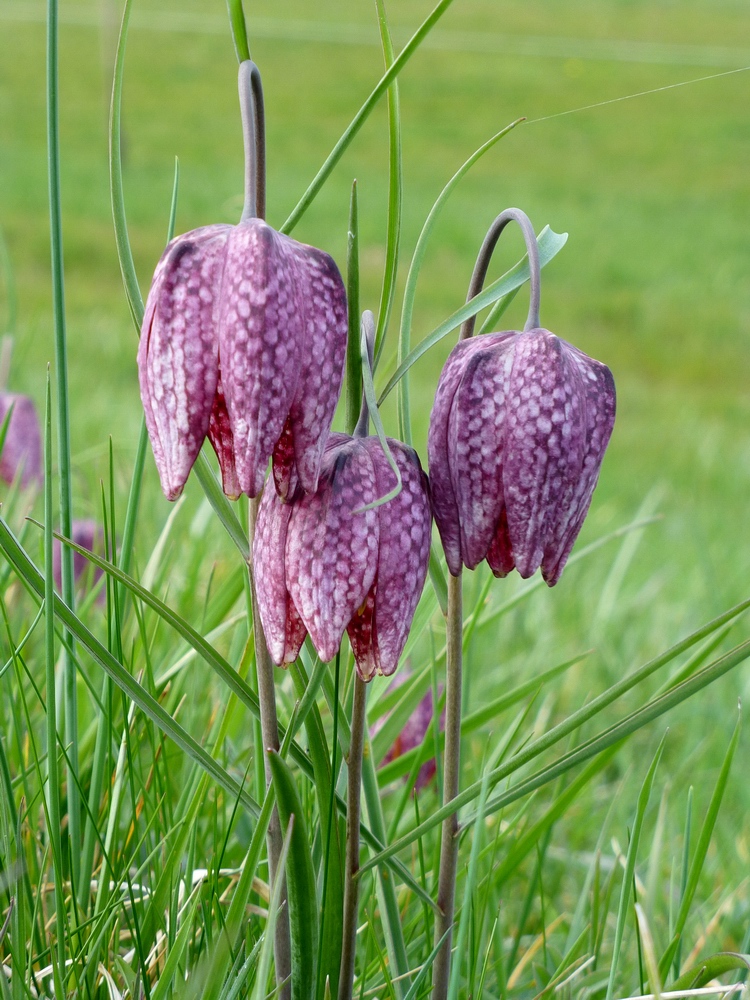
{"x": 518, "y": 431}
{"x": 243, "y": 341}
{"x": 323, "y": 565}
{"x": 22, "y": 450}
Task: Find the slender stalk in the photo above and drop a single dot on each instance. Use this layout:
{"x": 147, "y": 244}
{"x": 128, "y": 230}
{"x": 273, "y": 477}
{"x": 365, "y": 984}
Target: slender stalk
{"x": 357, "y": 742}
{"x": 353, "y": 813}
{"x": 53, "y": 785}
{"x": 270, "y": 731}
{"x": 254, "y": 135}
{"x": 63, "y": 428}
{"x": 485, "y": 256}
{"x": 452, "y": 769}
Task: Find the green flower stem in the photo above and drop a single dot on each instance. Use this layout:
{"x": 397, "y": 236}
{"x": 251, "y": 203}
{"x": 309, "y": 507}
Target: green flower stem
{"x": 452, "y": 769}
{"x": 270, "y": 730}
{"x": 63, "y": 430}
{"x": 353, "y": 812}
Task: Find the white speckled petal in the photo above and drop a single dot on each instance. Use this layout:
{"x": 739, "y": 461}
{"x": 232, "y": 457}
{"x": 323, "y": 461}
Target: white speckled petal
{"x": 22, "y": 449}
{"x": 476, "y": 432}
{"x": 331, "y": 553}
{"x": 282, "y": 625}
{"x": 597, "y": 391}
{"x": 178, "y": 351}
{"x": 403, "y": 553}
{"x": 260, "y": 331}
{"x": 439, "y": 447}
{"x": 322, "y": 355}
{"x": 544, "y": 444}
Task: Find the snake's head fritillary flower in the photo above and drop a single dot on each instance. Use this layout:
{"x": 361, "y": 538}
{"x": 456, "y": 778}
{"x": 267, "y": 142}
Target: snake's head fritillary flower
{"x": 22, "y": 450}
{"x": 323, "y": 565}
{"x": 243, "y": 341}
{"x": 517, "y": 435}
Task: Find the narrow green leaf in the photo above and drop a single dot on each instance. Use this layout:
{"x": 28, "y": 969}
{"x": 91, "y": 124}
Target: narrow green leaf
{"x": 176, "y": 952}
{"x": 410, "y": 289}
{"x": 300, "y": 879}
{"x": 627, "y": 880}
{"x": 222, "y": 507}
{"x": 364, "y": 113}
{"x": 614, "y": 734}
{"x": 124, "y": 680}
{"x": 239, "y": 29}
{"x": 710, "y": 968}
{"x": 395, "y": 193}
{"x": 550, "y": 244}
{"x": 701, "y": 850}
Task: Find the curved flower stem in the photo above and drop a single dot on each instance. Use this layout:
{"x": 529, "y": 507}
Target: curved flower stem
{"x": 483, "y": 262}
{"x": 270, "y": 731}
{"x": 254, "y": 137}
{"x": 452, "y": 770}
{"x": 353, "y": 813}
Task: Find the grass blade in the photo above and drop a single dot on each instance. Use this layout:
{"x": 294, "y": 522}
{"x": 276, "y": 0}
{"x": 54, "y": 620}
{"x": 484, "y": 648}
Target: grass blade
{"x": 266, "y": 952}
{"x": 395, "y": 193}
{"x": 550, "y": 244}
{"x": 410, "y": 289}
{"x": 701, "y": 849}
{"x": 300, "y": 880}
{"x": 627, "y": 879}
{"x": 63, "y": 427}
{"x": 364, "y": 113}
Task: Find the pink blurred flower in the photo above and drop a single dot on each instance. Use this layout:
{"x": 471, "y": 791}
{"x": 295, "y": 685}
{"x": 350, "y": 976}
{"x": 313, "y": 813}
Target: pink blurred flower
{"x": 414, "y": 732}
{"x": 89, "y": 534}
{"x": 22, "y": 451}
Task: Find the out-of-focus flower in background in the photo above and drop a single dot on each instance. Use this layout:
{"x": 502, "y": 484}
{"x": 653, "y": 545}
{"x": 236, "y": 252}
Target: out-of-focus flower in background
{"x": 22, "y": 450}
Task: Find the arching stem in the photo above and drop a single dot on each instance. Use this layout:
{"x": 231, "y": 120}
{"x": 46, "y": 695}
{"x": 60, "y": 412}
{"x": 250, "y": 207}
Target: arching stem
{"x": 485, "y": 256}
{"x": 254, "y": 136}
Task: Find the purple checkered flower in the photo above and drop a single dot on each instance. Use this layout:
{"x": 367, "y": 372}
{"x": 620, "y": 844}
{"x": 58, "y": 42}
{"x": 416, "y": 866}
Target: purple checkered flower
{"x": 323, "y": 565}
{"x": 22, "y": 451}
{"x": 243, "y": 341}
{"x": 412, "y": 736}
{"x": 517, "y": 434}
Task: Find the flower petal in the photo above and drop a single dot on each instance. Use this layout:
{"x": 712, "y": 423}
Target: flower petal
{"x": 597, "y": 391}
{"x": 544, "y": 444}
{"x": 331, "y": 552}
{"x": 476, "y": 431}
{"x": 178, "y": 351}
{"x": 361, "y": 632}
{"x": 403, "y": 553}
{"x": 222, "y": 440}
{"x": 282, "y": 625}
{"x": 439, "y": 447}
{"x": 322, "y": 356}
{"x": 260, "y": 332}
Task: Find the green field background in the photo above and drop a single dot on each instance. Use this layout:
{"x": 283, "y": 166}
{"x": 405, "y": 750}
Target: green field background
{"x": 655, "y": 279}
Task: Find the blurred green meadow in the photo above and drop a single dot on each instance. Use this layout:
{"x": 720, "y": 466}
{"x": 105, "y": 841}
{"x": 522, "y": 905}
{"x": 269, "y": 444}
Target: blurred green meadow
{"x": 654, "y": 192}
